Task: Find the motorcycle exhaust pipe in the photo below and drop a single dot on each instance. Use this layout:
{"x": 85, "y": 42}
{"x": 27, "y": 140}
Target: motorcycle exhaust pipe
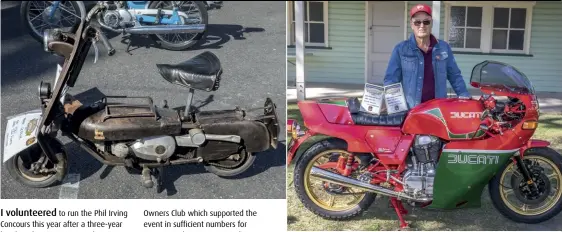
{"x": 168, "y": 29}
{"x": 353, "y": 183}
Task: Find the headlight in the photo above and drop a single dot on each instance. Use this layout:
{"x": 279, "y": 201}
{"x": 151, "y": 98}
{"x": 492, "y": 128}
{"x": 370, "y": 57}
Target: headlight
{"x": 46, "y": 40}
{"x": 50, "y": 36}
{"x": 45, "y": 90}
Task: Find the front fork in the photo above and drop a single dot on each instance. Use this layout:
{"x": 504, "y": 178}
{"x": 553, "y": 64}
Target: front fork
{"x": 525, "y": 172}
{"x": 55, "y": 7}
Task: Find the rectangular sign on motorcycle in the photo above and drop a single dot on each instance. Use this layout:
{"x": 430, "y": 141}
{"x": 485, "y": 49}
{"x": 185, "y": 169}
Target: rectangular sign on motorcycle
{"x": 393, "y": 97}
{"x": 21, "y": 131}
{"x": 372, "y": 99}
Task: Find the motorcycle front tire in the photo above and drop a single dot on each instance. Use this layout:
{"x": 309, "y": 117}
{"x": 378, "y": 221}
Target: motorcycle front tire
{"x": 545, "y": 154}
{"x": 186, "y": 44}
{"x": 28, "y": 28}
{"x": 14, "y": 167}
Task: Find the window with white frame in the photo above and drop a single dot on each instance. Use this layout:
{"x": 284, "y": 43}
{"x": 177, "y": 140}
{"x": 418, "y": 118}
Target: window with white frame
{"x": 315, "y": 23}
{"x": 466, "y": 27}
{"x": 489, "y": 28}
{"x": 508, "y": 32}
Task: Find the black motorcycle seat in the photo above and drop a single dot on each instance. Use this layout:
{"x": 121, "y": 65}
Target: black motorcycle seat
{"x": 366, "y": 119}
{"x": 201, "y": 72}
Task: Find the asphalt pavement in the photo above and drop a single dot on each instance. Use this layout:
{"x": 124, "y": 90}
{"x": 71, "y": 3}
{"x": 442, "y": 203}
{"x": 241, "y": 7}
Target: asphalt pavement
{"x": 248, "y": 38}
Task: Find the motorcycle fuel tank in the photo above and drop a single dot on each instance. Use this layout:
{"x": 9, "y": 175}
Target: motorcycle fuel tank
{"x": 449, "y": 119}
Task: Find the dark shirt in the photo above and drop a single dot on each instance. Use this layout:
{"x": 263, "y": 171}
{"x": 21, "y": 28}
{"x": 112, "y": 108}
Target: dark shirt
{"x": 428, "y": 91}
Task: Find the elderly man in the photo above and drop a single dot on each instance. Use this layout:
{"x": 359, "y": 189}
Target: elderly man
{"x": 423, "y": 64}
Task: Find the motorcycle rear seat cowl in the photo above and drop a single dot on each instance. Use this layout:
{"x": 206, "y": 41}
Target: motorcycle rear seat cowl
{"x": 366, "y": 119}
{"x": 201, "y": 72}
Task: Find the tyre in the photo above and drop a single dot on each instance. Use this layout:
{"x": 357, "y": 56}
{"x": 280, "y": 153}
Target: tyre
{"x": 167, "y": 41}
{"x": 512, "y": 198}
{"x": 238, "y": 167}
{"x": 37, "y": 11}
{"x": 19, "y": 166}
{"x": 332, "y": 148}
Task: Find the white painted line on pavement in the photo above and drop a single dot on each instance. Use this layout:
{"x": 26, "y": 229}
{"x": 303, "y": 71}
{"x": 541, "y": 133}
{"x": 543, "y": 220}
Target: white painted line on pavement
{"x": 70, "y": 186}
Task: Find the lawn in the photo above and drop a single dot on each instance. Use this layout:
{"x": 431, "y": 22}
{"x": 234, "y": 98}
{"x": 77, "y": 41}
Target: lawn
{"x": 381, "y": 217}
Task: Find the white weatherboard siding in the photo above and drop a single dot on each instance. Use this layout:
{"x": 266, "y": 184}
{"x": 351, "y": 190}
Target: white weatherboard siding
{"x": 345, "y": 62}
{"x": 544, "y": 69}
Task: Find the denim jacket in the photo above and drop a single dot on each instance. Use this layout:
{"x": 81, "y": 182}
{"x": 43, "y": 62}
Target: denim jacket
{"x": 406, "y": 66}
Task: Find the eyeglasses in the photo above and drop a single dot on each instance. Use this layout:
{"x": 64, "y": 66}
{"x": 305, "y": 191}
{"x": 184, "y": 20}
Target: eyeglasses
{"x": 425, "y": 22}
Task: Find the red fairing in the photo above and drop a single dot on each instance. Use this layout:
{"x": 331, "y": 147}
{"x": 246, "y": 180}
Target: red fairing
{"x": 449, "y": 119}
{"x": 335, "y": 113}
{"x": 538, "y": 143}
{"x": 330, "y": 119}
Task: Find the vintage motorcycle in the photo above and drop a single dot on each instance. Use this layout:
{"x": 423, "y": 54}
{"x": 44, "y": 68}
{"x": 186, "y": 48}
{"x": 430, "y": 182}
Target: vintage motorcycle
{"x": 142, "y": 137}
{"x": 437, "y": 155}
{"x": 174, "y": 25}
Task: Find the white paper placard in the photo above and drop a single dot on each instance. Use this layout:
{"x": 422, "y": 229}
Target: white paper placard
{"x": 395, "y": 99}
{"x": 21, "y": 132}
{"x": 372, "y": 99}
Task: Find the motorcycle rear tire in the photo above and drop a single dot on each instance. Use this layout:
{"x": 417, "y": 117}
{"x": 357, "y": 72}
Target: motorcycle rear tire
{"x": 39, "y": 37}
{"x": 299, "y": 172}
{"x": 231, "y": 172}
{"x": 502, "y": 207}
{"x": 12, "y": 167}
{"x": 186, "y": 44}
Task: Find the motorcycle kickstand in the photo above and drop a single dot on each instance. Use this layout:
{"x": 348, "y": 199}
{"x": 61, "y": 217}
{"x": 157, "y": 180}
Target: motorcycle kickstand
{"x": 130, "y": 38}
{"x": 400, "y": 211}
{"x": 159, "y": 173}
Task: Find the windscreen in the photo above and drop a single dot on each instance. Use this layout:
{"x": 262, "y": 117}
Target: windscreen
{"x": 502, "y": 76}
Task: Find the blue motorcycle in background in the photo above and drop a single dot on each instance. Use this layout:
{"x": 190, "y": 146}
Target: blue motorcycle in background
{"x": 174, "y": 25}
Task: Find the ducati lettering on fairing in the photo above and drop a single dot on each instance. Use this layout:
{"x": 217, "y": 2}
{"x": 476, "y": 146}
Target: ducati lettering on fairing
{"x": 473, "y": 159}
{"x": 466, "y": 114}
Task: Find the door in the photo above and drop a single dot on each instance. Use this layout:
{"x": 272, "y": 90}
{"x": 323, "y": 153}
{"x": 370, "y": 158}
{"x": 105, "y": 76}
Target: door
{"x": 386, "y": 29}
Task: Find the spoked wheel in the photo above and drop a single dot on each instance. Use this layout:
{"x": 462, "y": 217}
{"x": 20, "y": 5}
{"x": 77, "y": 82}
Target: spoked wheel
{"x": 197, "y": 14}
{"x": 37, "y": 16}
{"x": 233, "y": 165}
{"x": 533, "y": 203}
{"x": 33, "y": 169}
{"x": 325, "y": 199}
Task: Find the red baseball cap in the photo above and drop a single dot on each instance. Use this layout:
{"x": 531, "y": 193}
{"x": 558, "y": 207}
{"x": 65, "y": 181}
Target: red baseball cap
{"x": 420, "y": 8}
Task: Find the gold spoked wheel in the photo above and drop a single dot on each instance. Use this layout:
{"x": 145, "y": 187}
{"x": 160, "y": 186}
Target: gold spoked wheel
{"x": 326, "y": 195}
{"x": 518, "y": 197}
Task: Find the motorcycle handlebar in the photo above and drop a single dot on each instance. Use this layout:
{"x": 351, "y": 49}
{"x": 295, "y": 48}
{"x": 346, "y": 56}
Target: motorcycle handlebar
{"x": 95, "y": 10}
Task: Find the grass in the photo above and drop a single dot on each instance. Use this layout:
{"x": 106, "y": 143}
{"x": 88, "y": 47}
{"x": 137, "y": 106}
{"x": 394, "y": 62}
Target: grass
{"x": 381, "y": 217}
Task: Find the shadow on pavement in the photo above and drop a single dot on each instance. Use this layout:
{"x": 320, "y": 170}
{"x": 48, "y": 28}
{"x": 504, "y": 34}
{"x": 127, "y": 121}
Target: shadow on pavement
{"x": 264, "y": 161}
{"x": 17, "y": 49}
{"x": 217, "y": 36}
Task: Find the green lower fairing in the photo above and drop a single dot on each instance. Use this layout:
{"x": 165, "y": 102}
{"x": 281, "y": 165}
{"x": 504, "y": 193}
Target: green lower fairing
{"x": 462, "y": 175}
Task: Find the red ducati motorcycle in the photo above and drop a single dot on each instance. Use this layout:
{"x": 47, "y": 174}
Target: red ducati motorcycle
{"x": 440, "y": 154}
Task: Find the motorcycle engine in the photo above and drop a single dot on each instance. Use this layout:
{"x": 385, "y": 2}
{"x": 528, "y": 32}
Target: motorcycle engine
{"x": 117, "y": 18}
{"x": 421, "y": 168}
{"x": 156, "y": 148}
